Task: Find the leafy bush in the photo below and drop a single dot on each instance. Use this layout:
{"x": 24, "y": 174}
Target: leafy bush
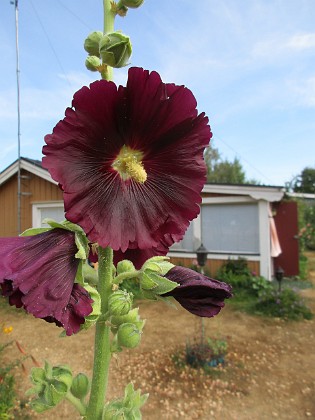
{"x": 7, "y": 391}
{"x": 286, "y": 304}
{"x": 259, "y": 285}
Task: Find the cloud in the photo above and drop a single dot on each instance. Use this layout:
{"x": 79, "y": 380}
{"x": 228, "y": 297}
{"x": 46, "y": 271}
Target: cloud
{"x": 277, "y": 46}
{"x": 304, "y": 91}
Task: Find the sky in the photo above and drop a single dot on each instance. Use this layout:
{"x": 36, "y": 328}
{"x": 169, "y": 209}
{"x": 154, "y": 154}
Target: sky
{"x": 249, "y": 63}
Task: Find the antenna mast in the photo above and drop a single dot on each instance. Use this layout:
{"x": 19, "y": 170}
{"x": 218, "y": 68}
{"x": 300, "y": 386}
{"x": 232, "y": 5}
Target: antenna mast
{"x": 19, "y": 194}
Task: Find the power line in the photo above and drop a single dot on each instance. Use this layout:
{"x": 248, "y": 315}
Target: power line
{"x": 241, "y": 158}
{"x": 49, "y": 42}
{"x": 74, "y": 15}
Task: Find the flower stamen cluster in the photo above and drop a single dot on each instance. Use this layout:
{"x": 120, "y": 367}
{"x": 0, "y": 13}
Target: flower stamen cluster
{"x": 129, "y": 165}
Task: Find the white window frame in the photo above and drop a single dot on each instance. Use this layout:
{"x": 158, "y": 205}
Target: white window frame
{"x": 263, "y": 229}
{"x": 37, "y": 211}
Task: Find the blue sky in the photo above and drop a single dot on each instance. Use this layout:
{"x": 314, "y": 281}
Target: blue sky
{"x": 250, "y": 64}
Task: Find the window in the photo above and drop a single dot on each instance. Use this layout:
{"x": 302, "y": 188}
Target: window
{"x": 48, "y": 210}
{"x": 187, "y": 243}
{"x": 230, "y": 228}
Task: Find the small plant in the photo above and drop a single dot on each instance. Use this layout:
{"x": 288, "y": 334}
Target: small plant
{"x": 206, "y": 354}
{"x": 259, "y": 285}
{"x": 236, "y": 273}
{"x": 286, "y": 304}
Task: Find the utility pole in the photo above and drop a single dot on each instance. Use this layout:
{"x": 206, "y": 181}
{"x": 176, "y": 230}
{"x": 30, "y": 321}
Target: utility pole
{"x": 19, "y": 194}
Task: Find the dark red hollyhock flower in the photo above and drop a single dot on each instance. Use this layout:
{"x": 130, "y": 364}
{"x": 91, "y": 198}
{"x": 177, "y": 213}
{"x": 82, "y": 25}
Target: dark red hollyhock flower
{"x": 130, "y": 161}
{"x": 197, "y": 293}
{"x": 38, "y": 273}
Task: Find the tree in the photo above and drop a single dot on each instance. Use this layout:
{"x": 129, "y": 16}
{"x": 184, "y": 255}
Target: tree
{"x": 222, "y": 171}
{"x": 304, "y": 182}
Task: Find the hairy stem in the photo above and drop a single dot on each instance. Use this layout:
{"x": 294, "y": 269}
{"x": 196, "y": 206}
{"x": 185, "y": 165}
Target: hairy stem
{"x": 102, "y": 353}
{"x": 109, "y": 19}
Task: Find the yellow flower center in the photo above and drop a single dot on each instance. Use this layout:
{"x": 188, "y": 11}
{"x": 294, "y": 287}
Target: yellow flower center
{"x": 128, "y": 164}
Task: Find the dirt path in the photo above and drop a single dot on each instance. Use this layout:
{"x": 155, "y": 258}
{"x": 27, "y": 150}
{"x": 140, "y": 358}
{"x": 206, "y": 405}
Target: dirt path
{"x": 269, "y": 372}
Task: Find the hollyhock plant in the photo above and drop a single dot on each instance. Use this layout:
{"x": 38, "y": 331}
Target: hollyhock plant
{"x": 197, "y": 293}
{"x": 38, "y": 273}
{"x": 130, "y": 161}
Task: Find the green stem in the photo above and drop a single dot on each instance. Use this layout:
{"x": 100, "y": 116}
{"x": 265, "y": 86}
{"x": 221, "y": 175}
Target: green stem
{"x": 102, "y": 353}
{"x": 77, "y": 403}
{"x": 109, "y": 19}
{"x": 121, "y": 277}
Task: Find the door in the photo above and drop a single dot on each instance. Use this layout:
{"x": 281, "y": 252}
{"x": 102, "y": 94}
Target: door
{"x": 286, "y": 220}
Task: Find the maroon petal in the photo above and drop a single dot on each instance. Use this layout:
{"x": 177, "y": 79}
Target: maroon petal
{"x": 159, "y": 120}
{"x": 38, "y": 273}
{"x": 197, "y": 293}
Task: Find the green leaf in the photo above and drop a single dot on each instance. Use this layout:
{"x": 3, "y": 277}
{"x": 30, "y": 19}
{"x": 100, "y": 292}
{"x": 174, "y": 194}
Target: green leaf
{"x": 90, "y": 275}
{"x": 163, "y": 285}
{"x": 34, "y": 231}
{"x": 146, "y": 281}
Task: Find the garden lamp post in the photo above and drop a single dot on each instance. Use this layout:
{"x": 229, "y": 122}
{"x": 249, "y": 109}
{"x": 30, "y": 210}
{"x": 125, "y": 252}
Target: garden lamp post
{"x": 202, "y": 254}
{"x": 279, "y": 276}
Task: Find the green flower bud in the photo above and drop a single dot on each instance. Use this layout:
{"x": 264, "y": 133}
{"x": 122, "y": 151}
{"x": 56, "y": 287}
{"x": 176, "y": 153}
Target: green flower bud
{"x": 119, "y": 303}
{"x": 131, "y": 317}
{"x": 133, "y": 4}
{"x": 80, "y": 386}
{"x": 91, "y": 44}
{"x": 125, "y": 266}
{"x": 93, "y": 63}
{"x": 128, "y": 336}
{"x": 51, "y": 386}
{"x": 115, "y": 49}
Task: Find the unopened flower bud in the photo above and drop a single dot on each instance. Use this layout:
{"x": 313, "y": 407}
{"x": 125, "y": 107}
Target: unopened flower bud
{"x": 93, "y": 63}
{"x": 80, "y": 386}
{"x": 131, "y": 317}
{"x": 124, "y": 266}
{"x": 91, "y": 44}
{"x": 115, "y": 49}
{"x": 133, "y": 4}
{"x": 128, "y": 336}
{"x": 119, "y": 303}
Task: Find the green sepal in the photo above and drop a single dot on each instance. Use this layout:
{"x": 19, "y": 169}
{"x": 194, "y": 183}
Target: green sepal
{"x": 39, "y": 405}
{"x": 146, "y": 281}
{"x": 159, "y": 264}
{"x": 133, "y": 4}
{"x": 34, "y": 231}
{"x": 126, "y": 408}
{"x": 163, "y": 285}
{"x": 115, "y": 49}
{"x": 132, "y": 316}
{"x": 125, "y": 266}
{"x": 96, "y": 305}
{"x": 90, "y": 275}
{"x": 51, "y": 385}
{"x": 91, "y": 43}
{"x": 93, "y": 63}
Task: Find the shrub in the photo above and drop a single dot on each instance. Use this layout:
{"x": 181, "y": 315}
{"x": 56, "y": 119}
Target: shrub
{"x": 285, "y": 304}
{"x": 259, "y": 285}
{"x": 235, "y": 272}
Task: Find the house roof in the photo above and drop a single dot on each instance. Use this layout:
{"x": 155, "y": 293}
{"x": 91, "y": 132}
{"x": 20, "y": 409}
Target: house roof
{"x": 257, "y": 192}
{"x": 31, "y": 165}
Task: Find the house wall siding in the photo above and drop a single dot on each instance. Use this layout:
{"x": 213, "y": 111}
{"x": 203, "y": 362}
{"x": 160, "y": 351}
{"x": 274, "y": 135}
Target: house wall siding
{"x": 34, "y": 189}
{"x": 213, "y": 265}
